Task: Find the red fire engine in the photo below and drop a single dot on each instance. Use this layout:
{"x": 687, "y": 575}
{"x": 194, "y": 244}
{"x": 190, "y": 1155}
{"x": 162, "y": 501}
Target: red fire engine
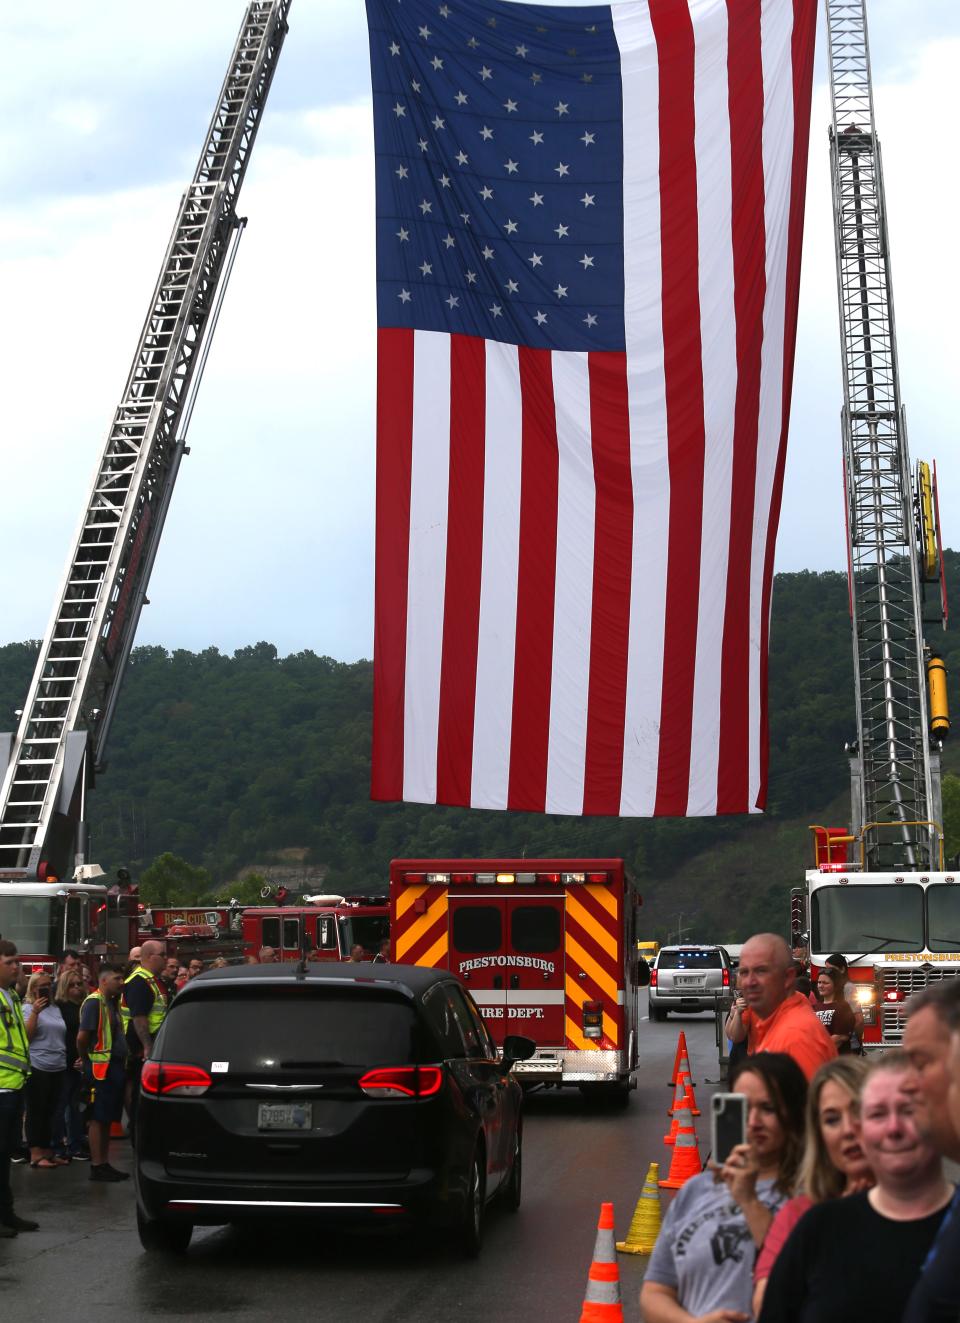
{"x": 204, "y": 931}
{"x": 547, "y": 948}
{"x": 333, "y": 925}
{"x": 45, "y": 919}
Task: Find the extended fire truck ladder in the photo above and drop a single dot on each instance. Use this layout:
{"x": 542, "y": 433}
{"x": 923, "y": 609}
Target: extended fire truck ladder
{"x": 895, "y": 767}
{"x": 50, "y": 762}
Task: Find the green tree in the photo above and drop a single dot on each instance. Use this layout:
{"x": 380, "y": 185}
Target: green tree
{"x": 170, "y": 880}
{"x": 951, "y": 816}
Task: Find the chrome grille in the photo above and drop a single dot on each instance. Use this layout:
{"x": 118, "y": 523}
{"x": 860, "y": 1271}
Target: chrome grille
{"x": 908, "y": 980}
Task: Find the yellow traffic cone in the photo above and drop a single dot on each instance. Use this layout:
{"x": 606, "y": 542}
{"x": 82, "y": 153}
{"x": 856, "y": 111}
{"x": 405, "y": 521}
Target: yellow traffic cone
{"x": 645, "y": 1226}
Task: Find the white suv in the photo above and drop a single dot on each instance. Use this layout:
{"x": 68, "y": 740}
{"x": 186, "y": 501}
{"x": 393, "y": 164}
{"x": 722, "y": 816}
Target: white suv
{"x": 688, "y": 978}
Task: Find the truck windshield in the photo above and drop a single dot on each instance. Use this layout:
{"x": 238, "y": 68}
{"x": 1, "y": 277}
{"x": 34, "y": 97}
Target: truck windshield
{"x": 943, "y": 917}
{"x": 30, "y": 922}
{"x": 366, "y": 930}
{"x": 861, "y": 919}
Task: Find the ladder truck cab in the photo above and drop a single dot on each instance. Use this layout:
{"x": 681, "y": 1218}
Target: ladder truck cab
{"x": 45, "y": 919}
{"x": 548, "y": 949}
{"x": 878, "y": 893}
{"x": 331, "y": 926}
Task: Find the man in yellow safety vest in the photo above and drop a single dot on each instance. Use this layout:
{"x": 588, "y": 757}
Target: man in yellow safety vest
{"x": 143, "y": 1009}
{"x": 14, "y": 1069}
{"x": 103, "y": 1051}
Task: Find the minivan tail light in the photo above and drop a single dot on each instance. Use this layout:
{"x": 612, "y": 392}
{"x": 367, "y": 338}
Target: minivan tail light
{"x": 166, "y": 1077}
{"x": 402, "y": 1081}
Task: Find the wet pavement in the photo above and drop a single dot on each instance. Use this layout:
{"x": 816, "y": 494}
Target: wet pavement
{"x": 534, "y": 1263}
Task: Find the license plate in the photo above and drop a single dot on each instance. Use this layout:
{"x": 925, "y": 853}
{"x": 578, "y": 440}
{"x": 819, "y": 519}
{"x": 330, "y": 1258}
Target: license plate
{"x": 689, "y": 980}
{"x": 285, "y": 1116}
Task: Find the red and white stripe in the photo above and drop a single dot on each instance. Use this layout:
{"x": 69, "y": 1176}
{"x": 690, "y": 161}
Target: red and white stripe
{"x": 575, "y": 551}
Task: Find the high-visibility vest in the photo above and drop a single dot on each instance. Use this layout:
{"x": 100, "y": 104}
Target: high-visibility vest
{"x": 158, "y": 1008}
{"x": 14, "y": 1044}
{"x": 102, "y": 1049}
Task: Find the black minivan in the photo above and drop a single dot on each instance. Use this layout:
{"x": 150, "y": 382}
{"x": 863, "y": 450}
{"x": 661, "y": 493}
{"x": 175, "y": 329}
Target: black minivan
{"x": 354, "y": 1091}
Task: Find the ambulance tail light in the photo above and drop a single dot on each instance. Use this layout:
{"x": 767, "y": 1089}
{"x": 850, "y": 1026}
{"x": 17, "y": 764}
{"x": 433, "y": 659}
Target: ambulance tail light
{"x": 461, "y": 878}
{"x": 413, "y": 879}
{"x": 569, "y": 878}
{"x": 162, "y": 1078}
{"x": 402, "y": 1082}
{"x": 548, "y": 877}
{"x": 598, "y": 879}
{"x": 593, "y": 1019}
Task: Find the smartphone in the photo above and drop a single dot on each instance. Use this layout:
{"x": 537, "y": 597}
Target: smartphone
{"x": 728, "y": 1124}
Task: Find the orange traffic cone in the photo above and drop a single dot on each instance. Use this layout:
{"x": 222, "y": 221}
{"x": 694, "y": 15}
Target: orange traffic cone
{"x": 684, "y": 1067}
{"x": 602, "y": 1302}
{"x": 679, "y": 1094}
{"x": 686, "y": 1156}
{"x": 689, "y": 1094}
{"x": 681, "y": 1108}
{"x": 681, "y": 1051}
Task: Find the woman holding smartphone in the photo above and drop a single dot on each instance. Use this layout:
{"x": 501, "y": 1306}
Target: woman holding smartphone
{"x": 702, "y": 1265}
{"x": 47, "y": 1036}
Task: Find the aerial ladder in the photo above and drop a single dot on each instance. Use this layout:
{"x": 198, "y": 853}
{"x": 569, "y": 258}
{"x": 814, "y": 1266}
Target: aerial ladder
{"x": 48, "y": 765}
{"x": 879, "y": 893}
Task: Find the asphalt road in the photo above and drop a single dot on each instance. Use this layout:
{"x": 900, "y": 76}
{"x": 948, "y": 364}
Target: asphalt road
{"x": 534, "y": 1263}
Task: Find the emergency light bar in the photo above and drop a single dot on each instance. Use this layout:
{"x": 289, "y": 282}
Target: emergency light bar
{"x": 506, "y": 879}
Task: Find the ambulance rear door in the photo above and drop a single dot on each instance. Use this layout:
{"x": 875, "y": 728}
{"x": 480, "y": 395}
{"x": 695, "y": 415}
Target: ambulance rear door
{"x": 535, "y": 972}
{"x": 478, "y": 953}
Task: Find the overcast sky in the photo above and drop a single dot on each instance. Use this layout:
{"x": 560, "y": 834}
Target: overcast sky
{"x": 270, "y": 535}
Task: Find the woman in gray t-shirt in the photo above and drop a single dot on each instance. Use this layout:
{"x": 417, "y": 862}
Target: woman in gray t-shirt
{"x": 703, "y": 1259}
{"x": 47, "y": 1036}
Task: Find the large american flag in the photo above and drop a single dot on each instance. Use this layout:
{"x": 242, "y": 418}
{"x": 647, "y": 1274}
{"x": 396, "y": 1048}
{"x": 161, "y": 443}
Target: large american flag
{"x": 589, "y": 225}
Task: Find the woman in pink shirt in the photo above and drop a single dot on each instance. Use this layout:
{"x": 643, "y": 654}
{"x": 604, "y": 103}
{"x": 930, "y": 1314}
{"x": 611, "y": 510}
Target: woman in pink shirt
{"x": 833, "y": 1164}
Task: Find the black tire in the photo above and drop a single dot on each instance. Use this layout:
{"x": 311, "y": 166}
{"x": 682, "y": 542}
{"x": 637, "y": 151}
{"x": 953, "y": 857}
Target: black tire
{"x": 658, "y": 1014}
{"x": 513, "y": 1189}
{"x": 469, "y": 1232}
{"x": 159, "y": 1236}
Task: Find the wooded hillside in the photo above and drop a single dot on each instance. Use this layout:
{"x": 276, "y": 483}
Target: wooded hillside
{"x": 223, "y": 760}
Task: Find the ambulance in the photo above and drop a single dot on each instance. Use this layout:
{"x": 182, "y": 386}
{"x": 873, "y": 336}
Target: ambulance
{"x": 548, "y": 949}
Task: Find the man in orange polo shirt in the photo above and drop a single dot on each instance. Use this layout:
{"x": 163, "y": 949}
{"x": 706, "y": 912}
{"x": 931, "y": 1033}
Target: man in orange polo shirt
{"x": 774, "y": 1017}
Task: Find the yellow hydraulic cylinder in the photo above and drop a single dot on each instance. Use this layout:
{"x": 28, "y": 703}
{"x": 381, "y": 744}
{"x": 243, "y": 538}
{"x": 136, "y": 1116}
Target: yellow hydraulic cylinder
{"x": 928, "y": 527}
{"x": 939, "y": 710}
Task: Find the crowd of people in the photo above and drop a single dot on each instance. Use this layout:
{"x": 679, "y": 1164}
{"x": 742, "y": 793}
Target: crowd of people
{"x": 71, "y": 1054}
{"x": 837, "y": 1206}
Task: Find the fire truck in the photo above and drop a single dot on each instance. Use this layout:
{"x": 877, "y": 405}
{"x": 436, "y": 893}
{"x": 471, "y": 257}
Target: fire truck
{"x": 547, "y": 948}
{"x": 44, "y": 919}
{"x": 331, "y": 925}
{"x": 204, "y": 931}
{"x": 48, "y": 766}
{"x": 878, "y": 892}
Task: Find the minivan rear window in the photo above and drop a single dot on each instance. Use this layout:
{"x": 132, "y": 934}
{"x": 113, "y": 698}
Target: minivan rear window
{"x": 296, "y": 1027}
{"x": 689, "y": 960}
